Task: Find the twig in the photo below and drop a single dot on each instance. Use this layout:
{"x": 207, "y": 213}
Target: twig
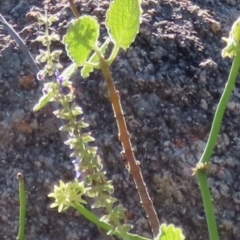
{"x": 127, "y": 149}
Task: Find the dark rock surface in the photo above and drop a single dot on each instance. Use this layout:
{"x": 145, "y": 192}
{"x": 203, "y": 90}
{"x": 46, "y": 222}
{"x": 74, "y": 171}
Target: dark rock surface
{"x": 170, "y": 81}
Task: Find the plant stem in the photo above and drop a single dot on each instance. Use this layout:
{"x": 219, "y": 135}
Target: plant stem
{"x": 73, "y": 8}
{"x": 128, "y": 154}
{"x": 103, "y": 225}
{"x": 200, "y": 173}
{"x": 208, "y": 205}
{"x": 220, "y": 110}
{"x": 22, "y": 210}
{"x": 113, "y": 54}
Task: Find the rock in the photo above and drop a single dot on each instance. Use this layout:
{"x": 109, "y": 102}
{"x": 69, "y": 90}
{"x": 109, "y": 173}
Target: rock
{"x": 21, "y": 8}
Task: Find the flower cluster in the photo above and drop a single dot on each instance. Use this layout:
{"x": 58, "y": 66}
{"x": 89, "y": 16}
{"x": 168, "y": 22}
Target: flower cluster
{"x": 67, "y": 195}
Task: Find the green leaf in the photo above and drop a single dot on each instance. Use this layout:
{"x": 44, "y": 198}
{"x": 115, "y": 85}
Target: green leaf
{"x": 52, "y": 19}
{"x": 236, "y": 30}
{"x": 76, "y": 110}
{"x": 55, "y": 55}
{"x": 91, "y": 150}
{"x": 53, "y": 37}
{"x": 94, "y": 59}
{"x": 230, "y": 49}
{"x": 69, "y": 72}
{"x": 42, "y": 57}
{"x": 81, "y": 38}
{"x": 87, "y": 138}
{"x": 69, "y": 126}
{"x": 71, "y": 143}
{"x": 60, "y": 113}
{"x": 41, "y": 19}
{"x": 170, "y": 232}
{"x": 43, "y": 101}
{"x": 233, "y": 41}
{"x": 104, "y": 218}
{"x": 123, "y": 21}
{"x": 66, "y": 128}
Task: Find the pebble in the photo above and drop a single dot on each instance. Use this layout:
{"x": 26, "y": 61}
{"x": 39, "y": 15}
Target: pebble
{"x": 230, "y": 162}
{"x": 178, "y": 196}
{"x": 4, "y": 218}
{"x": 215, "y": 193}
{"x": 228, "y": 177}
{"x": 231, "y": 2}
{"x": 217, "y": 160}
{"x": 141, "y": 222}
{"x": 48, "y": 161}
{"x": 224, "y": 190}
{"x": 143, "y": 107}
{"x": 226, "y": 139}
{"x": 226, "y": 224}
{"x": 236, "y": 231}
{"x": 236, "y": 197}
{"x": 203, "y": 104}
{"x": 215, "y": 26}
{"x": 43, "y": 219}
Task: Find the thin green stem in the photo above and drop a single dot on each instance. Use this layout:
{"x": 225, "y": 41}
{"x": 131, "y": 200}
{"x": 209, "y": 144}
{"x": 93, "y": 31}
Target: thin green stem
{"x": 208, "y": 205}
{"x": 22, "y": 210}
{"x": 217, "y": 121}
{"x": 90, "y": 64}
{"x": 201, "y": 172}
{"x": 113, "y": 54}
{"x": 103, "y": 225}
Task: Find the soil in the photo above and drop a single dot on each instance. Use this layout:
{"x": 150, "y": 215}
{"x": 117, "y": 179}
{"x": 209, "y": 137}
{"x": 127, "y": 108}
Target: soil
{"x": 170, "y": 81}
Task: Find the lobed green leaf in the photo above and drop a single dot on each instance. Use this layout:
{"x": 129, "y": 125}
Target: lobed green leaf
{"x": 123, "y": 21}
{"x": 81, "y": 38}
{"x": 170, "y": 232}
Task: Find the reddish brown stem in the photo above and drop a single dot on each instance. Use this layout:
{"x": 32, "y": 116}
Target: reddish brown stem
{"x": 134, "y": 168}
{"x": 73, "y": 8}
